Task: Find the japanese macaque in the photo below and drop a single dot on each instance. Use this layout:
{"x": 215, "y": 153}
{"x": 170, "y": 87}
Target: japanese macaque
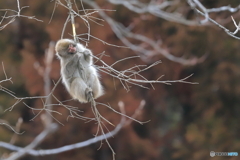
{"x": 78, "y": 73}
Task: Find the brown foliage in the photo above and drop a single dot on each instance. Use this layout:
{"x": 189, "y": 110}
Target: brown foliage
{"x": 187, "y": 122}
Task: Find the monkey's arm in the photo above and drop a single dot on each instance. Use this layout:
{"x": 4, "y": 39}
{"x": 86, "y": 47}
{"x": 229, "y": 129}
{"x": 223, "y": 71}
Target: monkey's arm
{"x": 72, "y": 68}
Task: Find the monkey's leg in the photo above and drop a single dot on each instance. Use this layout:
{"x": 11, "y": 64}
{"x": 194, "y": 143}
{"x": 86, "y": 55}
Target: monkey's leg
{"x": 96, "y": 87}
{"x": 79, "y": 90}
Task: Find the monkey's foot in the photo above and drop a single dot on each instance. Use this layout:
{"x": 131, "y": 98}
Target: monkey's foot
{"x": 88, "y": 94}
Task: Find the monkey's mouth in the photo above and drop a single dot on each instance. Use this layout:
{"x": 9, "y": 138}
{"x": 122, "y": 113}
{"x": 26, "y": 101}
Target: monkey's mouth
{"x": 71, "y": 53}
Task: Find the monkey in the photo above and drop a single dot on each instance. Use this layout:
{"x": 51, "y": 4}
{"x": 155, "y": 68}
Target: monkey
{"x": 79, "y": 75}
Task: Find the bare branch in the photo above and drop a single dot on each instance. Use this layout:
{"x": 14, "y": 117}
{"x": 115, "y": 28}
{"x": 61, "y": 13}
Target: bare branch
{"x": 237, "y": 26}
{"x": 220, "y": 26}
{"x": 4, "y": 123}
{"x": 18, "y": 126}
{"x": 16, "y": 13}
{"x": 155, "y": 8}
{"x": 69, "y": 3}
{"x": 124, "y": 34}
{"x": 29, "y": 149}
{"x": 23, "y": 151}
{"x": 195, "y": 4}
{"x": 131, "y": 78}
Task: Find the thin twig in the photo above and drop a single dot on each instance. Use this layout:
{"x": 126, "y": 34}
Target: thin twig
{"x": 9, "y": 126}
{"x": 69, "y": 4}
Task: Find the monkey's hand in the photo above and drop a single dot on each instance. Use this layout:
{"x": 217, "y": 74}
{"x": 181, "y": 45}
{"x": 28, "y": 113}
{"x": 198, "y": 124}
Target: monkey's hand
{"x": 88, "y": 94}
{"x": 87, "y": 55}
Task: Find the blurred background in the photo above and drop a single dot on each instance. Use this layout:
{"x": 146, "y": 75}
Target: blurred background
{"x": 187, "y": 121}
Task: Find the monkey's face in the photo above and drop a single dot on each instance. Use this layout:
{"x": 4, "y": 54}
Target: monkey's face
{"x": 72, "y": 49}
{"x": 66, "y": 48}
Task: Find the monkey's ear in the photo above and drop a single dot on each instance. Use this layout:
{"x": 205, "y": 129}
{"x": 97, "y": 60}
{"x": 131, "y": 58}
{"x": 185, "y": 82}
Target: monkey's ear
{"x": 58, "y": 55}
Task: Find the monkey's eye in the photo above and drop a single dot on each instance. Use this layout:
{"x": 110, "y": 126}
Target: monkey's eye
{"x": 72, "y": 45}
